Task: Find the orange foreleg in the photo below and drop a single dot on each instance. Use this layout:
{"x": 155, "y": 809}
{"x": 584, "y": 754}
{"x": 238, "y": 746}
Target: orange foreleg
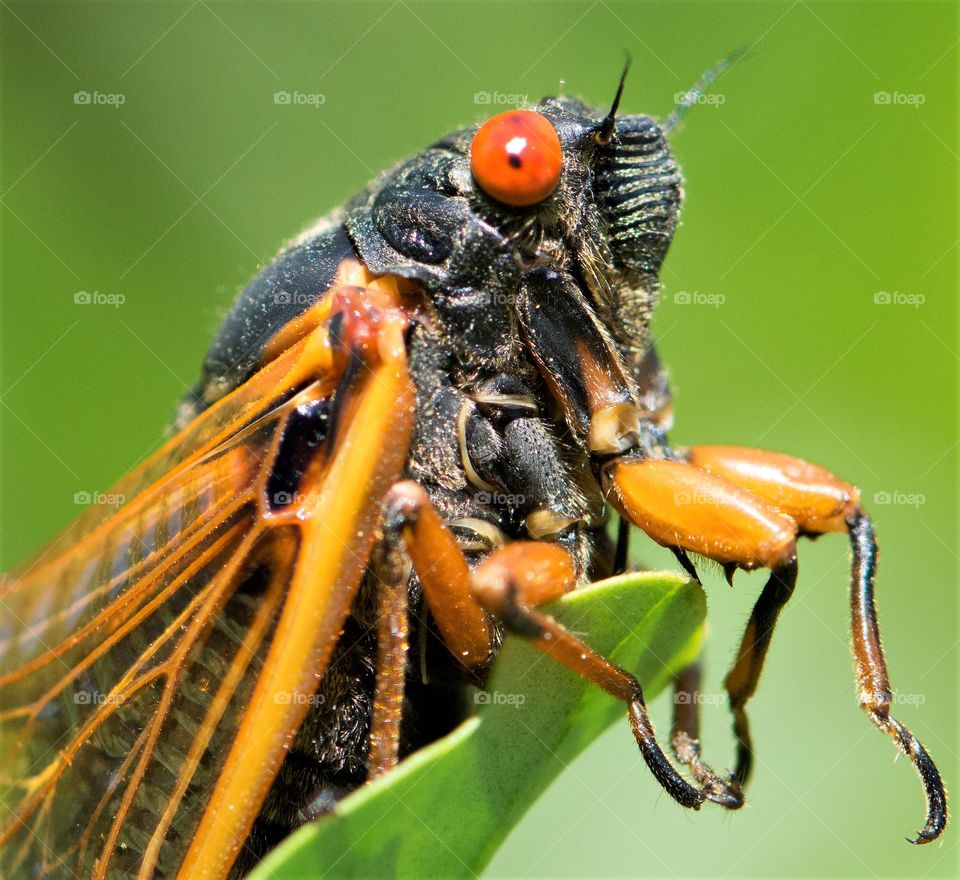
{"x": 744, "y": 508}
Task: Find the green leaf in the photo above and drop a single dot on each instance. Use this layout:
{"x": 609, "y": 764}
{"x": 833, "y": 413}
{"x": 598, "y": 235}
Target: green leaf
{"x": 444, "y": 811}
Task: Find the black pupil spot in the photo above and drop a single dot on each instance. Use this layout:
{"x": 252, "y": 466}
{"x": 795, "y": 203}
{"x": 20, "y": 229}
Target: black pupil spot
{"x": 515, "y": 161}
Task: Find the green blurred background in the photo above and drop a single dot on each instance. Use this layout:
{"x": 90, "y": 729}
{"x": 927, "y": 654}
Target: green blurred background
{"x": 809, "y": 306}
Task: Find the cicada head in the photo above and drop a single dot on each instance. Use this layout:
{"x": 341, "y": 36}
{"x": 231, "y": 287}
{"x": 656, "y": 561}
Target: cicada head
{"x": 592, "y": 180}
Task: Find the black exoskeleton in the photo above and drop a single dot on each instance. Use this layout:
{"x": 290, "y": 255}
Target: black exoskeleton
{"x": 519, "y": 300}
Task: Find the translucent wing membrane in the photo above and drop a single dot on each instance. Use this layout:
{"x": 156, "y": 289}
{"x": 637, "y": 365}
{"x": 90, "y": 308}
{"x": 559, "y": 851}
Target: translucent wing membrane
{"x": 132, "y": 647}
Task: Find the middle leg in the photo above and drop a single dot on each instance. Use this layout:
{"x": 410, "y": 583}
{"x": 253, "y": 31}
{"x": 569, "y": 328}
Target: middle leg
{"x": 508, "y": 585}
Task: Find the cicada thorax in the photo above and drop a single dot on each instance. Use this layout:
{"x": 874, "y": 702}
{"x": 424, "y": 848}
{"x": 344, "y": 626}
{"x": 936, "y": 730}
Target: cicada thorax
{"x": 497, "y": 459}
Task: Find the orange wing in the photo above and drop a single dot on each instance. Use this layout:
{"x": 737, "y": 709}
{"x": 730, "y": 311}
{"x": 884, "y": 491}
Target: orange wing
{"x": 156, "y": 660}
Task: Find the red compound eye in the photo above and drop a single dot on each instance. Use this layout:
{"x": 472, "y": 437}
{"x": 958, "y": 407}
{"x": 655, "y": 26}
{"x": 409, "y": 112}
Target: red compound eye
{"x": 516, "y": 157}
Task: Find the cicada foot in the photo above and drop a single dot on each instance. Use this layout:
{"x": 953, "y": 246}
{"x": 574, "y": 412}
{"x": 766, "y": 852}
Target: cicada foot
{"x": 685, "y": 740}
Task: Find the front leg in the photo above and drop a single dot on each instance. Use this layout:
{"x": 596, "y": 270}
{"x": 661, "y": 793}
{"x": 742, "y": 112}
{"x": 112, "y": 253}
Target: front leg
{"x": 578, "y": 362}
{"x": 744, "y": 508}
{"x": 819, "y": 502}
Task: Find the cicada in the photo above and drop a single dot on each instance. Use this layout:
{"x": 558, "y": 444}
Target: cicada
{"x": 428, "y": 407}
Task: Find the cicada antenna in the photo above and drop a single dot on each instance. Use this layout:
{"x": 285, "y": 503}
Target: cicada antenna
{"x": 710, "y": 76}
{"x": 604, "y": 133}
